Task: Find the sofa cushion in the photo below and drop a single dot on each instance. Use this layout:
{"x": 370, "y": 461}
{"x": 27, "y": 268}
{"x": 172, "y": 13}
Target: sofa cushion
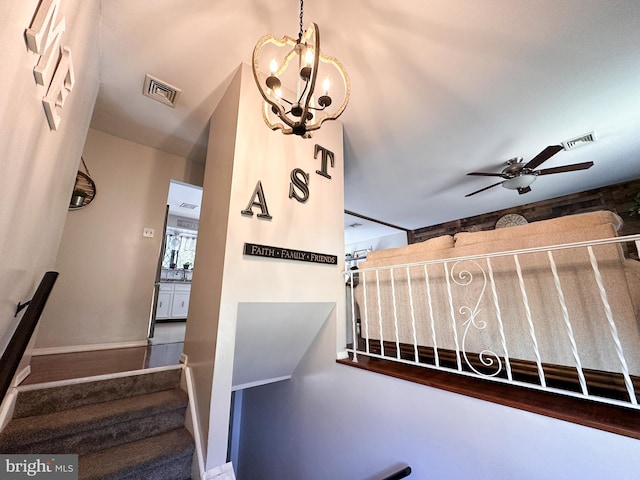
{"x": 552, "y": 226}
{"x": 518, "y": 242}
{"x": 422, "y": 248}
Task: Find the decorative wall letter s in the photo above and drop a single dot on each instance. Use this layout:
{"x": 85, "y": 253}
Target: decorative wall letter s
{"x": 261, "y": 202}
{"x": 300, "y": 179}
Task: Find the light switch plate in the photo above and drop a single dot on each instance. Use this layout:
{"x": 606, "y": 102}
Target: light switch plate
{"x": 148, "y": 232}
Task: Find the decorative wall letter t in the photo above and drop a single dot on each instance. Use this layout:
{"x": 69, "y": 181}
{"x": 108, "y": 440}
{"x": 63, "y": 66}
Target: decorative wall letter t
{"x": 261, "y": 202}
{"x": 325, "y": 154}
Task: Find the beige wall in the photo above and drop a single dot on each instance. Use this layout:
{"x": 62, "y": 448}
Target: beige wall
{"x": 107, "y": 268}
{"x": 38, "y": 165}
{"x": 241, "y": 151}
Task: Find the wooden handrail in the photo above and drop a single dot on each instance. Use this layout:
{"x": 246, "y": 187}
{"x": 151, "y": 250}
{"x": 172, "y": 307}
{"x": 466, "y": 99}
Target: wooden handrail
{"x": 405, "y": 472}
{"x": 20, "y": 339}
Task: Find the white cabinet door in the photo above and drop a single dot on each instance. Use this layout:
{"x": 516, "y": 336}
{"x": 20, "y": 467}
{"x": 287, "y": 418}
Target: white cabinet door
{"x": 164, "y": 304}
{"x": 180, "y": 305}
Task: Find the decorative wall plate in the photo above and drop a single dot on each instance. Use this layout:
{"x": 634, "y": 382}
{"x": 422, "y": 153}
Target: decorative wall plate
{"x": 511, "y": 220}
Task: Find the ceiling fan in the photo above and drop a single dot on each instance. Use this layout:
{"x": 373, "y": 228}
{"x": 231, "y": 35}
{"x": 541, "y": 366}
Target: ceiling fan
{"x": 519, "y": 175}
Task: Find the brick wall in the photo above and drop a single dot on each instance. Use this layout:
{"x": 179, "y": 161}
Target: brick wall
{"x": 617, "y": 198}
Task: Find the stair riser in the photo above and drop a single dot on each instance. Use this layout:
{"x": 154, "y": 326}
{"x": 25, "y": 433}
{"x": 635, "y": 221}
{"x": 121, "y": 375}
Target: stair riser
{"x": 92, "y": 440}
{"x": 178, "y": 468}
{"x": 167, "y": 456}
{"x": 55, "y": 399}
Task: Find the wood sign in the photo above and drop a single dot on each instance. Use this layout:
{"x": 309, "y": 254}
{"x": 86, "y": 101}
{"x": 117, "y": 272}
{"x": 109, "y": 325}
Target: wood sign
{"x": 288, "y": 254}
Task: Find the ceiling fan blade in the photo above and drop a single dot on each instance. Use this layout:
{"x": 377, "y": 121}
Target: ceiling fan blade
{"x": 565, "y": 168}
{"x": 522, "y": 190}
{"x": 543, "y": 156}
{"x": 485, "y": 174}
{"x": 483, "y": 189}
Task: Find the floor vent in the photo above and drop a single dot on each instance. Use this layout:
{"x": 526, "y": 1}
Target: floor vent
{"x": 160, "y": 91}
{"x": 579, "y": 141}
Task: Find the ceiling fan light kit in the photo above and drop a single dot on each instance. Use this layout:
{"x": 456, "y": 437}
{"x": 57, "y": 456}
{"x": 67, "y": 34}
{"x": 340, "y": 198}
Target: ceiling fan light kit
{"x": 291, "y": 103}
{"x": 519, "y": 175}
{"x": 522, "y": 180}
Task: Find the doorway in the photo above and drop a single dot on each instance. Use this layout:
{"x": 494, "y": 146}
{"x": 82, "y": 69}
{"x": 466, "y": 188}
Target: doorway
{"x": 176, "y": 262}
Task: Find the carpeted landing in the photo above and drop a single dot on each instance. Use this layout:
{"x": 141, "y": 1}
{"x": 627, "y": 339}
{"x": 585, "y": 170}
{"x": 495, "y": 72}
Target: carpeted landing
{"x": 130, "y": 427}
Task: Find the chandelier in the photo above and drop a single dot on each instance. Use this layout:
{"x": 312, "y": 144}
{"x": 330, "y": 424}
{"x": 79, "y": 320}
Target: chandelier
{"x": 291, "y": 102}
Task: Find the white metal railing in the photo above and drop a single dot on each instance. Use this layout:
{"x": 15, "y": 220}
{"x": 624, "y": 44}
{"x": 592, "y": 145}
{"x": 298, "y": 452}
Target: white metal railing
{"x": 562, "y": 318}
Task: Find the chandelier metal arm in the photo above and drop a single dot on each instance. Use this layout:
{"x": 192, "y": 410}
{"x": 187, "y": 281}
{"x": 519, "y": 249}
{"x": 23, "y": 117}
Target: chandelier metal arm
{"x": 314, "y": 76}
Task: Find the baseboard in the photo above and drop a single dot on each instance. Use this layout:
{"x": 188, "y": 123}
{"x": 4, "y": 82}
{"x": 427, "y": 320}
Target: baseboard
{"x": 21, "y": 375}
{"x": 6, "y": 409}
{"x": 194, "y": 420}
{"x": 87, "y": 348}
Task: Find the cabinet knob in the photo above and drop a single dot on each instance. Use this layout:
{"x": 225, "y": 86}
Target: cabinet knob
{"x": 160, "y": 303}
{"x": 183, "y": 303}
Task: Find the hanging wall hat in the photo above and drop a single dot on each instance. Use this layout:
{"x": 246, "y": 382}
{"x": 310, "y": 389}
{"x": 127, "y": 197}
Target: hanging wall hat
{"x": 84, "y": 190}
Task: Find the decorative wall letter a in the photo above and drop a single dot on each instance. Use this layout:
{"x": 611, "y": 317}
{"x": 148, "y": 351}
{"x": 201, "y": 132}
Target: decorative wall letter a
{"x": 261, "y": 202}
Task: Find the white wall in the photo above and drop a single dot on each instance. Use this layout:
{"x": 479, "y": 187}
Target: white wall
{"x": 336, "y": 422}
{"x": 379, "y": 243}
{"x": 38, "y": 165}
{"x": 107, "y": 268}
{"x": 241, "y": 151}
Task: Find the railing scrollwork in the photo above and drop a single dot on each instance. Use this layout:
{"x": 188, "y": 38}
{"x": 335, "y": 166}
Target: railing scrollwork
{"x": 464, "y": 278}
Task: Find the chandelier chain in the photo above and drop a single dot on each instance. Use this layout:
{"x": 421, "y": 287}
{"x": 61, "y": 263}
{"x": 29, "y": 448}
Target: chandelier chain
{"x": 301, "y": 25}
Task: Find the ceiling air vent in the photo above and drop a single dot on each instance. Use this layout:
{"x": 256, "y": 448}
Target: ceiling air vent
{"x": 579, "y": 141}
{"x": 160, "y": 91}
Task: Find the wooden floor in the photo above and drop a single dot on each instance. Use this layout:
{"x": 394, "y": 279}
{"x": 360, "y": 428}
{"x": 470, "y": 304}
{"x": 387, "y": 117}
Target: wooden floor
{"x": 65, "y": 366}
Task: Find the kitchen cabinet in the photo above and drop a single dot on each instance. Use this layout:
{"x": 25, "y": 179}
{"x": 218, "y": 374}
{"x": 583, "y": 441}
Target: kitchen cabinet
{"x": 180, "y": 304}
{"x": 173, "y": 301}
{"x": 165, "y": 295}
{"x": 164, "y": 305}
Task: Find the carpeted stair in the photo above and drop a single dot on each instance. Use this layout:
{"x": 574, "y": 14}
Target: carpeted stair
{"x": 128, "y": 427}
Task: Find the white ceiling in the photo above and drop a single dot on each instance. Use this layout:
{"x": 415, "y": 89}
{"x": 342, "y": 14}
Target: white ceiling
{"x": 439, "y": 89}
{"x": 180, "y": 196}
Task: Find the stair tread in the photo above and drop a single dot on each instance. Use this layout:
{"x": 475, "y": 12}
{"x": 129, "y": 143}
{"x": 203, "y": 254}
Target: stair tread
{"x": 24, "y": 430}
{"x": 52, "y": 399}
{"x": 125, "y": 460}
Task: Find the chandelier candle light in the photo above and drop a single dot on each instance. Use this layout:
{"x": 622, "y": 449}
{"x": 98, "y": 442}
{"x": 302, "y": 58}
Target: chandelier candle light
{"x": 291, "y": 103}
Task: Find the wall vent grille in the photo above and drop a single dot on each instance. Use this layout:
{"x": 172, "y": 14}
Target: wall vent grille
{"x": 160, "y": 91}
{"x": 579, "y": 141}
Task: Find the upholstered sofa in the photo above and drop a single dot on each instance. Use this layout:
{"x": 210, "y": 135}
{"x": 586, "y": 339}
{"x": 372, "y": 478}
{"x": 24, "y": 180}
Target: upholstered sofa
{"x": 445, "y": 293}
